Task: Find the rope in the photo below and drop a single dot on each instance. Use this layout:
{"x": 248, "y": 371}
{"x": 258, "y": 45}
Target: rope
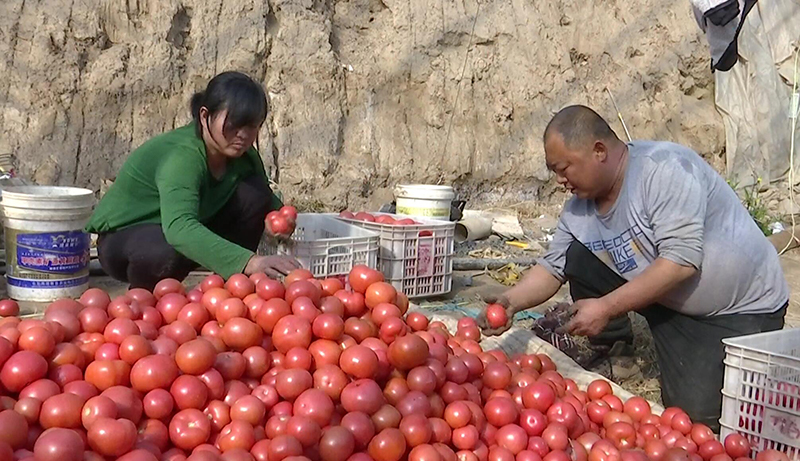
{"x": 793, "y": 107}
{"x": 458, "y": 86}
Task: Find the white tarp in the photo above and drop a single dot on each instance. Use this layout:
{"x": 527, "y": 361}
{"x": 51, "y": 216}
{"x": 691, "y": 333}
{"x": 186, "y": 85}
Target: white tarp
{"x": 755, "y": 96}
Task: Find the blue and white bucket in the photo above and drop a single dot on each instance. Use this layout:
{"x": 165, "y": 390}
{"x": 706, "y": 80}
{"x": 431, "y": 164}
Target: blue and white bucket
{"x": 47, "y": 250}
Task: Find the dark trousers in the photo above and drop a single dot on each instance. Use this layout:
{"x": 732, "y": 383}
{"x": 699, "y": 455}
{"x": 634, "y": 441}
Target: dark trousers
{"x": 141, "y": 256}
{"x": 689, "y": 349}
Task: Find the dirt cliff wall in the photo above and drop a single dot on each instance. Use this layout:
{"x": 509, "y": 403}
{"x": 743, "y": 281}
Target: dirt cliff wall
{"x": 365, "y": 93}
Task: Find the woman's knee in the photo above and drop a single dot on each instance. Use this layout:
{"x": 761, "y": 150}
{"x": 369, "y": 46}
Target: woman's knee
{"x": 146, "y": 270}
{"x": 253, "y": 194}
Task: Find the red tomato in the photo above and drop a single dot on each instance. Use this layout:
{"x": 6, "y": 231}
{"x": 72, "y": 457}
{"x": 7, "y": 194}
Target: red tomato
{"x": 37, "y": 339}
{"x": 213, "y": 298}
{"x": 240, "y": 334}
{"x": 112, "y": 437}
{"x": 682, "y": 423}
{"x": 701, "y": 434}
{"x": 331, "y": 285}
{"x": 62, "y": 410}
{"x": 268, "y": 289}
{"x": 13, "y": 429}
{"x": 293, "y": 382}
{"x": 303, "y": 288}
{"x": 189, "y": 428}
{"x": 153, "y": 372}
{"x": 362, "y": 395}
{"x": 623, "y": 435}
{"x": 737, "y": 446}
{"x": 280, "y": 225}
{"x": 240, "y": 285}
{"x": 385, "y": 219}
{"x": 496, "y": 315}
{"x": 417, "y": 321}
{"x": 388, "y": 445}
{"x": 21, "y": 369}
{"x": 533, "y": 421}
{"x": 353, "y": 302}
{"x": 9, "y": 308}
{"x": 637, "y": 408}
{"x": 361, "y": 277}
{"x": 189, "y": 392}
{"x": 289, "y": 211}
{"x": 167, "y": 286}
{"x": 363, "y": 216}
{"x": 501, "y": 411}
{"x": 496, "y": 375}
{"x": 271, "y": 312}
{"x": 58, "y": 445}
{"x": 359, "y": 362}
{"x": 297, "y": 274}
{"x": 291, "y": 331}
{"x": 710, "y": 448}
{"x": 771, "y": 455}
{"x": 555, "y": 435}
{"x": 378, "y": 293}
{"x": 407, "y": 352}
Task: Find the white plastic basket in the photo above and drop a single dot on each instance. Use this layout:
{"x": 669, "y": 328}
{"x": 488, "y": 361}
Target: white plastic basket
{"x": 328, "y": 247}
{"x": 416, "y": 259}
{"x": 761, "y": 392}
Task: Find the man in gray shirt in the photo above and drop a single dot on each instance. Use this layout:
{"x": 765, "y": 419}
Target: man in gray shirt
{"x": 653, "y": 228}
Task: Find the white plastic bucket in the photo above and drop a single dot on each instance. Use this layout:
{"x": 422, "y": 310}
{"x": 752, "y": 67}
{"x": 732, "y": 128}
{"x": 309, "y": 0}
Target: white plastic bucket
{"x": 47, "y": 250}
{"x": 425, "y": 201}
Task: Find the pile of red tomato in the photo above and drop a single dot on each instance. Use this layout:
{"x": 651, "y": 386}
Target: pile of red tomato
{"x": 305, "y": 370}
{"x": 377, "y": 218}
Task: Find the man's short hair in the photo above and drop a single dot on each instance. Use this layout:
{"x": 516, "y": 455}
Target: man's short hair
{"x": 579, "y": 126}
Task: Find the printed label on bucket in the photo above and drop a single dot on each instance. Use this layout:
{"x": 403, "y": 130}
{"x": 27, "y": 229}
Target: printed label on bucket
{"x": 53, "y": 252}
{"x": 47, "y": 284}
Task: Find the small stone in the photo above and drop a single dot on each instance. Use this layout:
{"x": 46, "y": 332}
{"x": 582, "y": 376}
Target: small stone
{"x": 624, "y": 368}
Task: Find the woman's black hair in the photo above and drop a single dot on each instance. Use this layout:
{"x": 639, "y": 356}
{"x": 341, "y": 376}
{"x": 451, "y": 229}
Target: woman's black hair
{"x": 242, "y": 96}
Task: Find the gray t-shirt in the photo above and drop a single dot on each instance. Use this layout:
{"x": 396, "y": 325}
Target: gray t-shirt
{"x": 673, "y": 205}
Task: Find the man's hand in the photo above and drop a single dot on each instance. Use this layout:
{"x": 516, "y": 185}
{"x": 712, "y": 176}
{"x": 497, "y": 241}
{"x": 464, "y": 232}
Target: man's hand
{"x": 273, "y": 266}
{"x": 590, "y": 317}
{"x": 483, "y": 324}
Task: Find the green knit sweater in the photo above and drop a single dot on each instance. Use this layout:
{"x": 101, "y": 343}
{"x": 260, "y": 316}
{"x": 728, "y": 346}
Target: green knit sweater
{"x": 166, "y": 181}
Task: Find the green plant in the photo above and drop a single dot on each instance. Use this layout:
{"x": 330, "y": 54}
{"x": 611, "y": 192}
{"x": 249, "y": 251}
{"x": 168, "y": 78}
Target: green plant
{"x": 755, "y": 205}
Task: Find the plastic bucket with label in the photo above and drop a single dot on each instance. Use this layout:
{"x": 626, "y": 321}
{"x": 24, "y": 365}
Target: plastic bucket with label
{"x": 47, "y": 250}
{"x": 425, "y": 201}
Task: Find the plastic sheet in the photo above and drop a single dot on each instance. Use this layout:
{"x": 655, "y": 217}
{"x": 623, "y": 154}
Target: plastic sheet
{"x": 754, "y": 97}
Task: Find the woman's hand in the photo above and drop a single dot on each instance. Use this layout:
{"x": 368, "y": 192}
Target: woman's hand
{"x": 273, "y": 266}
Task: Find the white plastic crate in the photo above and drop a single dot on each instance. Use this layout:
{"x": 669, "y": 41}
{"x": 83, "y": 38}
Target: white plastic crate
{"x": 761, "y": 393}
{"x": 416, "y": 259}
{"x": 329, "y": 247}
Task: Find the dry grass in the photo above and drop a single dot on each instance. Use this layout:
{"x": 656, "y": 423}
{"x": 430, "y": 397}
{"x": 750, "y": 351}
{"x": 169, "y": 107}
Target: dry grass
{"x": 645, "y": 381}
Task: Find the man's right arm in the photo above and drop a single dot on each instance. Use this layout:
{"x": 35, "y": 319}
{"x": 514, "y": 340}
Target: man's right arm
{"x": 540, "y": 284}
{"x": 535, "y": 288}
{"x": 546, "y": 277}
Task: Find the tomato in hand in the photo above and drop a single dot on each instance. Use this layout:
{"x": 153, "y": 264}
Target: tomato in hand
{"x": 496, "y": 315}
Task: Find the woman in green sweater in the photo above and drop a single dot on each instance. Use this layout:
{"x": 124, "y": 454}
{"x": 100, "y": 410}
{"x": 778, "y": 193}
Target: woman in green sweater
{"x": 194, "y": 196}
